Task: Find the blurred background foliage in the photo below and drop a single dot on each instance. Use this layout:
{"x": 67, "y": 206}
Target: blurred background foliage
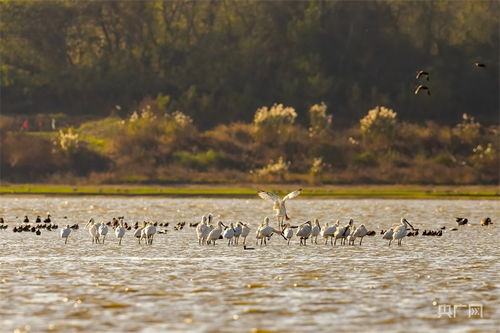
{"x": 249, "y": 91}
{"x": 218, "y": 61}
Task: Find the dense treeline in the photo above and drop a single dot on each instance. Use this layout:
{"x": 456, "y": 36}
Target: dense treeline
{"x": 218, "y": 61}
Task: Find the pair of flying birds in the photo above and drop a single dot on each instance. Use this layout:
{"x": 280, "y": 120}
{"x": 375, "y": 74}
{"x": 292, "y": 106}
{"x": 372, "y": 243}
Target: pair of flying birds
{"x": 424, "y": 74}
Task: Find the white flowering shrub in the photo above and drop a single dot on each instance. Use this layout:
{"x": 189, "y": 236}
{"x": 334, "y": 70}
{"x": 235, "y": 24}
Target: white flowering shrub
{"x": 180, "y": 120}
{"x": 482, "y": 153}
{"x": 273, "y": 121}
{"x": 68, "y": 141}
{"x": 278, "y": 168}
{"x": 380, "y": 120}
{"x": 468, "y": 130}
{"x": 320, "y": 122}
{"x": 317, "y": 166}
{"x": 378, "y": 127}
{"x": 146, "y": 113}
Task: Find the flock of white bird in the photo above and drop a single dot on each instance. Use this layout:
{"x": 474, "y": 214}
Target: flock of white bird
{"x": 208, "y": 233}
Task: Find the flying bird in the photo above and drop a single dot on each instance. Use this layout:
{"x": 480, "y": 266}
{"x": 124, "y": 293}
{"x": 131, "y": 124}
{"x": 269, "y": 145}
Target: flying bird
{"x": 422, "y": 87}
{"x": 279, "y": 204}
{"x": 421, "y": 74}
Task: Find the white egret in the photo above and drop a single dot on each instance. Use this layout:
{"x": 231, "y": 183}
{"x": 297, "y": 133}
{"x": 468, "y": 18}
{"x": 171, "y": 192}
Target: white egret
{"x": 279, "y": 204}
{"x": 119, "y": 233}
{"x": 388, "y": 234}
{"x": 229, "y": 234}
{"x": 65, "y": 233}
{"x": 206, "y": 230}
{"x": 200, "y": 228}
{"x": 328, "y": 232}
{"x": 215, "y": 233}
{"x": 358, "y": 232}
{"x": 138, "y": 234}
{"x": 93, "y": 230}
{"x": 288, "y": 232}
{"x": 245, "y": 231}
{"x": 265, "y": 231}
{"x": 315, "y": 231}
{"x": 304, "y": 232}
{"x": 148, "y": 233}
{"x": 103, "y": 231}
{"x": 237, "y": 232}
{"x": 343, "y": 232}
{"x": 400, "y": 231}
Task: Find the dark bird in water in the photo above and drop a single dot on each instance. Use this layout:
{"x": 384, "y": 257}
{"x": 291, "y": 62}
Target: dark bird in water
{"x": 248, "y": 248}
{"x": 478, "y": 64}
{"x": 462, "y": 221}
{"x": 47, "y": 220}
{"x": 486, "y": 221}
{"x": 421, "y": 74}
{"x": 420, "y": 88}
{"x": 443, "y": 227}
{"x": 38, "y": 219}
{"x": 38, "y": 232}
{"x": 26, "y": 220}
{"x": 1, "y": 219}
{"x": 371, "y": 233}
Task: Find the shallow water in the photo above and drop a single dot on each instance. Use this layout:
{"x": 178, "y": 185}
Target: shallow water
{"x": 177, "y": 285}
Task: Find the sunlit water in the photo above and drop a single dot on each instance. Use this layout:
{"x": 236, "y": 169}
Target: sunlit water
{"x": 177, "y": 285}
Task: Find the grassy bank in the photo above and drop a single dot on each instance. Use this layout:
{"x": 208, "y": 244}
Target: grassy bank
{"x": 369, "y": 191}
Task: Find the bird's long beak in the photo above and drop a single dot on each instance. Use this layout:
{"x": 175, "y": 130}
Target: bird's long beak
{"x": 409, "y": 224}
{"x": 222, "y": 224}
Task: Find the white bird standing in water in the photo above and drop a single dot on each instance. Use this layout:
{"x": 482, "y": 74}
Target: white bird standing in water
{"x": 245, "y": 231}
{"x": 358, "y": 232}
{"x": 215, "y": 233}
{"x": 329, "y": 232}
{"x": 288, "y": 232}
{"x": 304, "y": 232}
{"x": 148, "y": 233}
{"x": 343, "y": 232}
{"x": 229, "y": 234}
{"x": 65, "y": 233}
{"x": 388, "y": 234}
{"x": 401, "y": 231}
{"x": 237, "y": 232}
{"x": 138, "y": 234}
{"x": 315, "y": 231}
{"x": 119, "y": 233}
{"x": 265, "y": 231}
{"x": 200, "y": 230}
{"x": 279, "y": 204}
{"x": 93, "y": 230}
{"x": 103, "y": 231}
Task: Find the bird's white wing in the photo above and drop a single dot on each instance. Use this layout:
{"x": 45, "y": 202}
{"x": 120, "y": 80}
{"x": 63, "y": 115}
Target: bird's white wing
{"x": 268, "y": 196}
{"x": 292, "y": 195}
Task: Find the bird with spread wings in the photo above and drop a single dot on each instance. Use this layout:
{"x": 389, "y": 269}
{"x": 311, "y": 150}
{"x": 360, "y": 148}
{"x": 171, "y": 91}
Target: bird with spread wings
{"x": 279, "y": 204}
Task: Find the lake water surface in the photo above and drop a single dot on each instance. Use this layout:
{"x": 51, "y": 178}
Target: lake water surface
{"x": 177, "y": 285}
